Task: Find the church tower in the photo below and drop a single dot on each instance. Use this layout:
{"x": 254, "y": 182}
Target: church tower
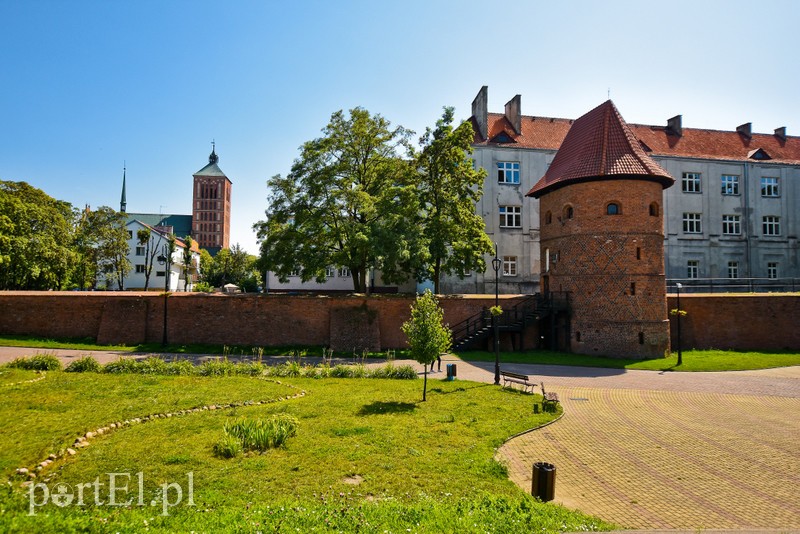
{"x": 602, "y": 238}
{"x": 123, "y": 201}
{"x": 211, "y": 206}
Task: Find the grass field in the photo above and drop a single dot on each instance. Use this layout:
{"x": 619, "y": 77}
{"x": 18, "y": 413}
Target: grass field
{"x": 368, "y": 456}
{"x": 692, "y": 360}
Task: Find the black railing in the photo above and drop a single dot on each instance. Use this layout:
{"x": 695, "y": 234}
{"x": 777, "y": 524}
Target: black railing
{"x": 734, "y": 285}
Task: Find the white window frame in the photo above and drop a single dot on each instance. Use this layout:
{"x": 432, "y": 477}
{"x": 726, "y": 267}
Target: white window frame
{"x": 330, "y": 272}
{"x": 770, "y": 187}
{"x": 140, "y": 268}
{"x": 692, "y": 223}
{"x": 730, "y": 184}
{"x": 508, "y": 172}
{"x": 692, "y": 182}
{"x": 693, "y": 269}
{"x": 344, "y": 272}
{"x": 510, "y": 216}
{"x": 140, "y": 250}
{"x": 733, "y": 269}
{"x": 771, "y": 225}
{"x": 295, "y": 272}
{"x": 509, "y": 266}
{"x": 772, "y": 270}
{"x": 731, "y": 225}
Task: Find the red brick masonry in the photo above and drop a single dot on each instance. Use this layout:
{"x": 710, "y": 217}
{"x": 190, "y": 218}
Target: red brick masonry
{"x": 713, "y": 321}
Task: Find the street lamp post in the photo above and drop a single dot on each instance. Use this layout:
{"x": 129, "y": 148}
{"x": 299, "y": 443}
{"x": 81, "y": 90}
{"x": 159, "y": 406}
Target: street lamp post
{"x": 678, "y": 287}
{"x": 165, "y": 259}
{"x": 496, "y": 266}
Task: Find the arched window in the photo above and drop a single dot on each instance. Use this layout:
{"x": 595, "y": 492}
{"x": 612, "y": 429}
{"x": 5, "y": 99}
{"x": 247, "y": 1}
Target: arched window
{"x": 612, "y": 209}
{"x": 654, "y": 209}
{"x": 548, "y": 218}
{"x": 568, "y": 212}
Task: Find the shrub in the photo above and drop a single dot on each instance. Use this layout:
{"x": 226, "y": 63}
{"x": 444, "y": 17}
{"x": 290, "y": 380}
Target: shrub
{"x": 228, "y": 447}
{"x": 151, "y": 365}
{"x": 217, "y": 368}
{"x": 289, "y": 369}
{"x": 121, "y": 366}
{"x": 87, "y": 364}
{"x": 180, "y": 367}
{"x": 39, "y": 362}
{"x": 260, "y": 435}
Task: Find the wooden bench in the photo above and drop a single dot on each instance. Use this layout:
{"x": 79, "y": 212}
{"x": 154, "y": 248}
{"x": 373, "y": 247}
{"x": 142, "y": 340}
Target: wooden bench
{"x": 517, "y": 378}
{"x": 549, "y": 400}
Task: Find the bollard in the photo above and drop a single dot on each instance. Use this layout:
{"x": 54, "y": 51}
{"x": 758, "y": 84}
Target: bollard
{"x": 451, "y": 372}
{"x": 543, "y": 483}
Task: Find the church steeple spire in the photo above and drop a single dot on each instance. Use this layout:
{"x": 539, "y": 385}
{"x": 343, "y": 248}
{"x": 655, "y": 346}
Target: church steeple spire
{"x": 123, "y": 203}
{"x": 213, "y": 158}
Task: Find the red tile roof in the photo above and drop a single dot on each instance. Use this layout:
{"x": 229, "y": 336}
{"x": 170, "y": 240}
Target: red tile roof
{"x": 547, "y": 133}
{"x": 599, "y": 145}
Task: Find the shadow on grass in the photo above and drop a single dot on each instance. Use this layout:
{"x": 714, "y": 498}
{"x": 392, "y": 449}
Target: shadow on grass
{"x": 460, "y": 389}
{"x": 380, "y": 407}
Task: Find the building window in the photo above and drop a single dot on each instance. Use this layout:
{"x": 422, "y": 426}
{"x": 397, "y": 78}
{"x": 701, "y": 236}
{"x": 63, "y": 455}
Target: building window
{"x": 733, "y": 269}
{"x": 772, "y": 270}
{"x": 548, "y": 218}
{"x": 693, "y": 269}
{"x": 130, "y": 234}
{"x": 731, "y": 225}
{"x": 654, "y": 209}
{"x": 568, "y": 212}
{"x": 509, "y": 266}
{"x": 139, "y": 268}
{"x": 344, "y": 272}
{"x": 692, "y": 223}
{"x": 508, "y": 172}
{"x": 730, "y": 184}
{"x": 633, "y": 288}
{"x": 612, "y": 209}
{"x": 160, "y": 273}
{"x": 510, "y": 216}
{"x": 771, "y": 225}
{"x": 295, "y": 272}
{"x": 330, "y": 272}
{"x": 641, "y": 338}
{"x": 140, "y": 251}
{"x": 690, "y": 183}
{"x": 638, "y": 253}
{"x": 769, "y": 187}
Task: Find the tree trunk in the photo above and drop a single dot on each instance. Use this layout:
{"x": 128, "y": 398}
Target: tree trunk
{"x": 425, "y": 383}
{"x": 437, "y": 269}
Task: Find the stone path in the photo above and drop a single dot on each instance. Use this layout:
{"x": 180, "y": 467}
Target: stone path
{"x": 665, "y": 451}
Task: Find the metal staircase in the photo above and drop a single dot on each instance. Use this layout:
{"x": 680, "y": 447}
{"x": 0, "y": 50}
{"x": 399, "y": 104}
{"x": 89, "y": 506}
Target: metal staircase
{"x": 523, "y": 314}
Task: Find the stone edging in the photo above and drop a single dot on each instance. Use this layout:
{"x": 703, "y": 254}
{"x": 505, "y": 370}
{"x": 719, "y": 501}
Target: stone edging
{"x": 31, "y": 381}
{"x": 83, "y": 440}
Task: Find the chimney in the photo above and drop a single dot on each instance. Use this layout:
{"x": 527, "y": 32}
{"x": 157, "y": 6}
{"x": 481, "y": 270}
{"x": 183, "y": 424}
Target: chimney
{"x": 780, "y": 133}
{"x": 514, "y": 113}
{"x": 674, "y": 126}
{"x": 745, "y": 129}
{"x": 481, "y": 112}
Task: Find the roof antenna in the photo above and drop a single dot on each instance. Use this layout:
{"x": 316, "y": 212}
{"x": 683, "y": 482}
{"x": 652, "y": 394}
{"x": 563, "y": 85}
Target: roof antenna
{"x": 609, "y": 93}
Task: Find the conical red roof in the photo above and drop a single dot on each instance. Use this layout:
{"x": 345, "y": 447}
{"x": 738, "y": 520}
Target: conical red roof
{"x": 598, "y": 146}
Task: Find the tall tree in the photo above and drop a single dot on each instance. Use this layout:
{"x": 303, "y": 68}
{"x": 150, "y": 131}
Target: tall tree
{"x": 349, "y": 201}
{"x": 101, "y": 242}
{"x": 449, "y": 188}
{"x": 150, "y": 241}
{"x": 188, "y": 265}
{"x": 428, "y": 336}
{"x": 35, "y": 238}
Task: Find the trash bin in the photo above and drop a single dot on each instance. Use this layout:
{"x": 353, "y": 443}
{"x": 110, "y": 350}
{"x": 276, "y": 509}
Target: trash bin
{"x": 543, "y": 484}
{"x": 451, "y": 372}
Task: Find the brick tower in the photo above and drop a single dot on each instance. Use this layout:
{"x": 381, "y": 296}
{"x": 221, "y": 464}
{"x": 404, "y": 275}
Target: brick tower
{"x": 211, "y": 206}
{"x": 602, "y": 238}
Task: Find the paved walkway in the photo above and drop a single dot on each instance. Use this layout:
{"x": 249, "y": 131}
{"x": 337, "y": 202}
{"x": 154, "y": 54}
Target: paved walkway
{"x": 649, "y": 450}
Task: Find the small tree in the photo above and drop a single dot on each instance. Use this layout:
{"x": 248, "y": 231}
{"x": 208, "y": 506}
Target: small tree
{"x": 427, "y": 334}
{"x": 187, "y": 262}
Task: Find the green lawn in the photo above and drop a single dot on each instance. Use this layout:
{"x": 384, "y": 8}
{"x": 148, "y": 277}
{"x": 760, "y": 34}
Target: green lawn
{"x": 368, "y": 455}
{"x": 693, "y": 360}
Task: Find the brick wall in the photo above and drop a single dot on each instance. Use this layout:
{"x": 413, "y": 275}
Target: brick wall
{"x": 713, "y": 321}
{"x": 737, "y": 322}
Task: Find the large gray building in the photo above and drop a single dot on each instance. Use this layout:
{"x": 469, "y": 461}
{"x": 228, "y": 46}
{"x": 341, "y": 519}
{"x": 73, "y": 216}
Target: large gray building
{"x": 732, "y": 213}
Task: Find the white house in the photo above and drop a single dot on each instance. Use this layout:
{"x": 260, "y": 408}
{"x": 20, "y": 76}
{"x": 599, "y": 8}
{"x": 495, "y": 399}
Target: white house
{"x": 142, "y": 256}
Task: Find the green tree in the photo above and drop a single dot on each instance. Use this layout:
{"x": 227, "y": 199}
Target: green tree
{"x": 187, "y": 266}
{"x": 150, "y": 241}
{"x": 449, "y": 189}
{"x": 171, "y": 245}
{"x": 230, "y": 266}
{"x": 428, "y": 336}
{"x": 35, "y": 238}
{"x": 101, "y": 244}
{"x": 349, "y": 201}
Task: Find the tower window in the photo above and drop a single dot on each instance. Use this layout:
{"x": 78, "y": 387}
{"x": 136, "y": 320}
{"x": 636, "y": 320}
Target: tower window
{"x": 568, "y": 212}
{"x": 654, "y": 209}
{"x": 641, "y": 338}
{"x": 612, "y": 209}
{"x": 548, "y": 218}
{"x": 638, "y": 253}
{"x": 633, "y": 288}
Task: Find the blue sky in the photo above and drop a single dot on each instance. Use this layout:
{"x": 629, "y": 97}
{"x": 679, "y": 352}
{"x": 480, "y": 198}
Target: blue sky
{"x": 87, "y": 86}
